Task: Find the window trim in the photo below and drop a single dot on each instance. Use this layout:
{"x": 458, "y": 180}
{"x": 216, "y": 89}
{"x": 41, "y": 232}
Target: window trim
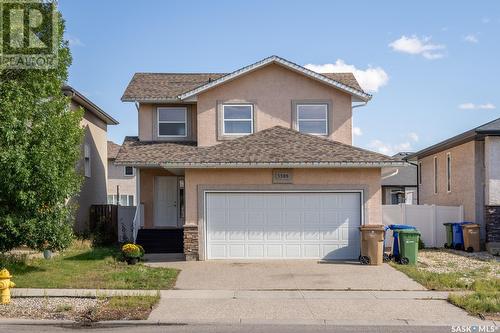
{"x": 158, "y": 122}
{"x": 448, "y": 172}
{"x": 419, "y": 170}
{"x": 125, "y": 171}
{"x": 326, "y": 119}
{"x": 435, "y": 166}
{"x": 224, "y": 119}
{"x": 87, "y": 171}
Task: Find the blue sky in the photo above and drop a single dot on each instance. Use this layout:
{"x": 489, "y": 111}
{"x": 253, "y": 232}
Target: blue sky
{"x": 432, "y": 66}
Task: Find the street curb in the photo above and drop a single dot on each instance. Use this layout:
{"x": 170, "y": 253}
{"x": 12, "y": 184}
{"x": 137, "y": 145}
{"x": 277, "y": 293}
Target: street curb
{"x": 36, "y": 292}
{"x": 312, "y": 322}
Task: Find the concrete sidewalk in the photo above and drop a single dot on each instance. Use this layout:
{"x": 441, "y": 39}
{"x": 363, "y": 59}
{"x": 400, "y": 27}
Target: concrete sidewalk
{"x": 310, "y": 308}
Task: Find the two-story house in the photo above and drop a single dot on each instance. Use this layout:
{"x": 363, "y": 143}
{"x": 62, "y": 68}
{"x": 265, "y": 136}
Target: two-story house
{"x": 465, "y": 170}
{"x": 93, "y": 163}
{"x": 257, "y": 163}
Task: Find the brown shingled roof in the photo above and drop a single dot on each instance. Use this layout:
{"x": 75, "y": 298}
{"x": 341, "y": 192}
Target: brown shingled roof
{"x": 113, "y": 149}
{"x": 274, "y": 146}
{"x": 164, "y": 86}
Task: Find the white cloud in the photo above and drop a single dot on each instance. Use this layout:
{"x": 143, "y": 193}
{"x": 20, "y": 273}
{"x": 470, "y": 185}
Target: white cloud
{"x": 74, "y": 41}
{"x": 419, "y": 46}
{"x": 486, "y": 20}
{"x": 390, "y": 149}
{"x": 370, "y": 79}
{"x": 413, "y": 136}
{"x": 472, "y": 106}
{"x": 356, "y": 131}
{"x": 471, "y": 38}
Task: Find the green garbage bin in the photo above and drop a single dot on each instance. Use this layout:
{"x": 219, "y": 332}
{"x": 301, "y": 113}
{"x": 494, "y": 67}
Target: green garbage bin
{"x": 408, "y": 246}
{"x": 449, "y": 235}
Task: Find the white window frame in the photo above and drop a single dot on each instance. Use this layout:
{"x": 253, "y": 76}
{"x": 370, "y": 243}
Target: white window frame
{"x": 448, "y": 172}
{"x": 125, "y": 171}
{"x": 242, "y": 119}
{"x": 87, "y": 161}
{"x": 435, "y": 167}
{"x": 297, "y": 113}
{"x": 158, "y": 121}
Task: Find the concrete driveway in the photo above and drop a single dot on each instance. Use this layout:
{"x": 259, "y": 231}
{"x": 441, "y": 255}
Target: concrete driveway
{"x": 287, "y": 275}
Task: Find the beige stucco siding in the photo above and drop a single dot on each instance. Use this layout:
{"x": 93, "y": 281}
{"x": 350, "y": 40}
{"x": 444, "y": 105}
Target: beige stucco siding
{"x": 271, "y": 90}
{"x": 148, "y": 130}
{"x": 116, "y": 177}
{"x": 368, "y": 178}
{"x": 466, "y": 183}
{"x": 94, "y": 188}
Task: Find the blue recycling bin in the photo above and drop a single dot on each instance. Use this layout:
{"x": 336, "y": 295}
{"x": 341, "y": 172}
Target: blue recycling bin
{"x": 458, "y": 235}
{"x": 395, "y": 246}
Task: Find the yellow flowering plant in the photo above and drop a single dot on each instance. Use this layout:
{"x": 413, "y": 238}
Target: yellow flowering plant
{"x": 130, "y": 250}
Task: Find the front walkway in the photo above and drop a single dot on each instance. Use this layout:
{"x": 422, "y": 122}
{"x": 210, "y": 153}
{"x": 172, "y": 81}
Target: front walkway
{"x": 287, "y": 275}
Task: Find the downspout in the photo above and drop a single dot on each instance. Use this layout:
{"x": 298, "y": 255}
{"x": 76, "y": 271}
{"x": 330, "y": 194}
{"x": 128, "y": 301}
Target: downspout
{"x": 418, "y": 177}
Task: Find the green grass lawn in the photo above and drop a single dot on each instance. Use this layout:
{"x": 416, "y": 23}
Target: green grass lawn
{"x": 89, "y": 268}
{"x": 484, "y": 296}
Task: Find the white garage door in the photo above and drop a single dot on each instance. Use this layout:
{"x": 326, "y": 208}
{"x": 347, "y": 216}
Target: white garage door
{"x": 283, "y": 225}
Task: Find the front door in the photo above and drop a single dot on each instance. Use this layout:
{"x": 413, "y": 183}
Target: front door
{"x": 165, "y": 202}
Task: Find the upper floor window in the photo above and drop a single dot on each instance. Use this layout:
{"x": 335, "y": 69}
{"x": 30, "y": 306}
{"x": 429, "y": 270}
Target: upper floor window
{"x": 128, "y": 171}
{"x": 312, "y": 118}
{"x": 237, "y": 119}
{"x": 86, "y": 160}
{"x": 448, "y": 172}
{"x": 172, "y": 121}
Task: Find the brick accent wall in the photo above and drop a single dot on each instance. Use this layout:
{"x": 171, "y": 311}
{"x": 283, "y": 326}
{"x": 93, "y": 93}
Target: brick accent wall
{"x": 492, "y": 221}
{"x": 191, "y": 242}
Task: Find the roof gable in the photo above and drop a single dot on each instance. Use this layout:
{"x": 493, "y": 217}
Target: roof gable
{"x": 360, "y": 94}
{"x": 168, "y": 87}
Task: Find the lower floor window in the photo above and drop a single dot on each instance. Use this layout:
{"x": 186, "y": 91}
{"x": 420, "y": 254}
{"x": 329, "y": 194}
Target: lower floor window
{"x": 124, "y": 200}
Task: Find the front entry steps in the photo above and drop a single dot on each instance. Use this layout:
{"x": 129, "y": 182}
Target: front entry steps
{"x": 161, "y": 240}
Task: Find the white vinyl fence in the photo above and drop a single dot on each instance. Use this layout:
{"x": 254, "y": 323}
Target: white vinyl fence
{"x": 428, "y": 219}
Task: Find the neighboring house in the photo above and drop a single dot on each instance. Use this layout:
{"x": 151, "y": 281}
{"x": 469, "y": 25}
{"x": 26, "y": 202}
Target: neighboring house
{"x": 121, "y": 180}
{"x": 93, "y": 164}
{"x": 465, "y": 170}
{"x": 257, "y": 163}
{"x": 399, "y": 184}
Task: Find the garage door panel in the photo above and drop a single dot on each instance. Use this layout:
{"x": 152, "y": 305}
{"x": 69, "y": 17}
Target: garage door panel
{"x": 256, "y": 217}
{"x": 283, "y": 225}
{"x": 292, "y": 217}
{"x": 256, "y": 251}
{"x": 256, "y": 235}
{"x": 274, "y": 235}
{"x": 274, "y": 251}
{"x": 292, "y": 251}
{"x": 311, "y": 234}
